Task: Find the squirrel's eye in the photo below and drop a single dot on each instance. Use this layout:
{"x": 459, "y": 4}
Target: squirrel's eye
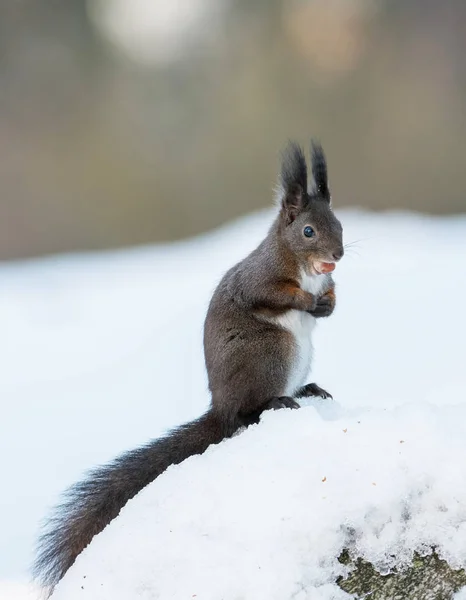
{"x": 308, "y": 231}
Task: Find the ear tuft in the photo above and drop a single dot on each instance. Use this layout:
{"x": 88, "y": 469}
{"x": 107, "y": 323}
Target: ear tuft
{"x": 294, "y": 168}
{"x": 293, "y": 179}
{"x": 319, "y": 170}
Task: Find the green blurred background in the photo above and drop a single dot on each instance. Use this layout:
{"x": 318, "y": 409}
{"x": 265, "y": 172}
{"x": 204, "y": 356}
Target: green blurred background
{"x": 135, "y": 121}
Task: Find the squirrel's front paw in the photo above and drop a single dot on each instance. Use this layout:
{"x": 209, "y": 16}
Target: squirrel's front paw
{"x": 325, "y": 305}
{"x": 312, "y": 305}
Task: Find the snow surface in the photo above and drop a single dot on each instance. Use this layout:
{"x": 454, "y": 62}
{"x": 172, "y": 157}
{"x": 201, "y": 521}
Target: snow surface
{"x": 18, "y": 591}
{"x": 104, "y": 352}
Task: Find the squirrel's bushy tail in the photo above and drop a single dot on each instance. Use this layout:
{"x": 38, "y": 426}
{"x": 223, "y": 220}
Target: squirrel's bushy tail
{"x": 91, "y": 504}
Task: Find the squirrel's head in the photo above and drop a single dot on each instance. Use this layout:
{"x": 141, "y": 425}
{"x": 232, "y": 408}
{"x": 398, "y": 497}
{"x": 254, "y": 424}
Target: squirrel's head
{"x": 308, "y": 224}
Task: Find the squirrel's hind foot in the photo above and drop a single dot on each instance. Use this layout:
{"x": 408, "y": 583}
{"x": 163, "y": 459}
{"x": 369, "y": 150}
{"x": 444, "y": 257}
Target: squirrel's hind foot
{"x": 281, "y": 402}
{"x": 312, "y": 389}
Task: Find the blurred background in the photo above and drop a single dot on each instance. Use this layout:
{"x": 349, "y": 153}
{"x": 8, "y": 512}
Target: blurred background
{"x": 134, "y": 121}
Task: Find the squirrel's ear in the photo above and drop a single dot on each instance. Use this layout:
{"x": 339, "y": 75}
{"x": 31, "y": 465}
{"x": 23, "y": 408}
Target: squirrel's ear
{"x": 293, "y": 180}
{"x": 319, "y": 171}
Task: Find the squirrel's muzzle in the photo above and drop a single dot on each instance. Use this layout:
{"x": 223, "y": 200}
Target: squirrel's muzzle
{"x": 337, "y": 254}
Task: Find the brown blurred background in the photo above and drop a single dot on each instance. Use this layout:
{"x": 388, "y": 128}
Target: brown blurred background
{"x": 133, "y": 121}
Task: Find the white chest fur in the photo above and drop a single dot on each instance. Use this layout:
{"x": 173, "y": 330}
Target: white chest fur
{"x": 301, "y": 324}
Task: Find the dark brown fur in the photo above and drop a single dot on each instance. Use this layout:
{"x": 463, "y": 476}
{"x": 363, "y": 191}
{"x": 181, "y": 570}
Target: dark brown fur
{"x": 248, "y": 357}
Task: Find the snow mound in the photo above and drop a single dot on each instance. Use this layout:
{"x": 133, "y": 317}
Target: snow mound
{"x": 266, "y": 514}
{"x": 18, "y": 591}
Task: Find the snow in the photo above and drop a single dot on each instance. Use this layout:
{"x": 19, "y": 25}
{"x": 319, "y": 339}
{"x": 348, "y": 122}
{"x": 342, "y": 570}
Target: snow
{"x": 266, "y": 514}
{"x": 18, "y": 591}
{"x": 104, "y": 352}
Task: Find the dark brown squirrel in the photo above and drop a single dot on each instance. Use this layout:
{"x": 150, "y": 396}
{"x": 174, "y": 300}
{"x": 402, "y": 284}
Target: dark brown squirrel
{"x": 258, "y": 350}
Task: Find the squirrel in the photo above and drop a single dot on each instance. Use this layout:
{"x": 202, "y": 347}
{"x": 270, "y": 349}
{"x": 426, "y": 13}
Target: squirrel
{"x": 258, "y": 351}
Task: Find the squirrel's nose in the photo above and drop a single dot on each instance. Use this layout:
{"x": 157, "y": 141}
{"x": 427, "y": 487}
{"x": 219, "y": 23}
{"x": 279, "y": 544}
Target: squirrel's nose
{"x": 338, "y": 254}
